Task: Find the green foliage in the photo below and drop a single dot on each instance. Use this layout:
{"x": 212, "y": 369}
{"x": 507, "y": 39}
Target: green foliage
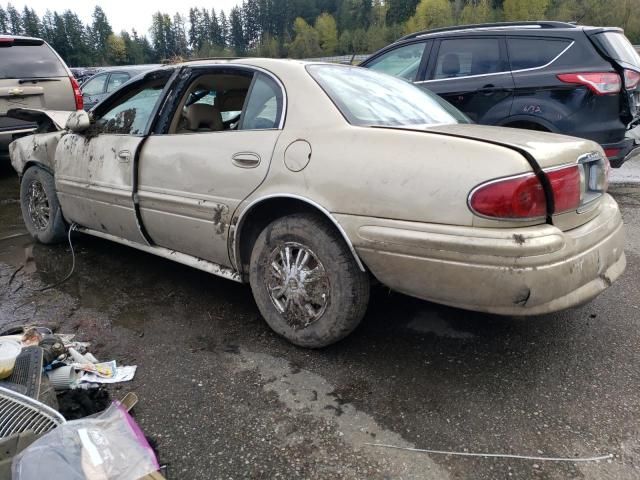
{"x": 431, "y": 14}
{"x": 479, "y": 11}
{"x": 525, "y": 9}
{"x": 327, "y": 33}
{"x": 306, "y": 42}
{"x": 296, "y": 28}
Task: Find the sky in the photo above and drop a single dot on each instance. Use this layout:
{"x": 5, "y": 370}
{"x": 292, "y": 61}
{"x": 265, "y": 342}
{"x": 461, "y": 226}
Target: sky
{"x": 123, "y": 14}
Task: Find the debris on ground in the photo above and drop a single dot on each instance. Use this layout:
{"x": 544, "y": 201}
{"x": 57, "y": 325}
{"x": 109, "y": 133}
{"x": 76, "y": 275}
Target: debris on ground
{"x": 57, "y": 420}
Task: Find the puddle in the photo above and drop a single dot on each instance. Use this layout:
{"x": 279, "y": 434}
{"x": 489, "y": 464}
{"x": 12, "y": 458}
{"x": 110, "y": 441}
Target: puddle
{"x": 431, "y": 322}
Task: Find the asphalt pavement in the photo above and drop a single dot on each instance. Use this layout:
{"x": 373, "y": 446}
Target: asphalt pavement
{"x": 225, "y": 398}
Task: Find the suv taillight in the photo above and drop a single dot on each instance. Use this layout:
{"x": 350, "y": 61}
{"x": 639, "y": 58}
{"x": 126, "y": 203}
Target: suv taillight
{"x": 631, "y": 79}
{"x": 600, "y": 83}
{"x": 77, "y": 93}
{"x": 522, "y": 197}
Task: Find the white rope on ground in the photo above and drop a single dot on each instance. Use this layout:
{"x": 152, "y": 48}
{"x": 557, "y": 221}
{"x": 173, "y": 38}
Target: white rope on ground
{"x": 498, "y": 455}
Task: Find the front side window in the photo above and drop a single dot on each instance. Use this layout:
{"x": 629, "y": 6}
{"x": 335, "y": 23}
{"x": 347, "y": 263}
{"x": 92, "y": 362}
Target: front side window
{"x": 469, "y": 56}
{"x": 533, "y": 52}
{"x": 229, "y": 100}
{"x": 94, "y": 86}
{"x": 130, "y": 115}
{"x": 116, "y": 80}
{"x": 402, "y": 62}
{"x": 369, "y": 98}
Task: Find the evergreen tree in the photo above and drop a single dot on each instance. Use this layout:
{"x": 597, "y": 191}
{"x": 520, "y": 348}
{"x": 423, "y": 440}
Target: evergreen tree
{"x": 224, "y": 29}
{"x": 399, "y": 11}
{"x": 15, "y": 21}
{"x": 215, "y": 33}
{"x": 251, "y": 23}
{"x": 101, "y": 30}
{"x": 77, "y": 40}
{"x": 195, "y": 20}
{"x": 48, "y": 27}
{"x": 180, "y": 36}
{"x": 30, "y": 22}
{"x": 4, "y": 21}
{"x": 236, "y": 32}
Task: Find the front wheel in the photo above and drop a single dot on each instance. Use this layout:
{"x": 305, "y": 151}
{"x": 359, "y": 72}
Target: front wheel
{"x": 306, "y": 282}
{"x": 40, "y": 208}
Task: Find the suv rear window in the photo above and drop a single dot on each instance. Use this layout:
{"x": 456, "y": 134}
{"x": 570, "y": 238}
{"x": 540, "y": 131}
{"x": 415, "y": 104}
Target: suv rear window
{"x": 533, "y": 52}
{"x": 619, "y": 48}
{"x": 30, "y": 61}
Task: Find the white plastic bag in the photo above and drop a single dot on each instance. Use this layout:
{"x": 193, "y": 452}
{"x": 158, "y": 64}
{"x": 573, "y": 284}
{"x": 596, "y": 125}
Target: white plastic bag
{"x": 107, "y": 446}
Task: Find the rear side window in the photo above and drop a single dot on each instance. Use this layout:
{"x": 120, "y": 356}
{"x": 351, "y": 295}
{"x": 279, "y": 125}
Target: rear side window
{"x": 264, "y": 106}
{"x": 465, "y": 57}
{"x": 30, "y": 61}
{"x": 402, "y": 62}
{"x": 94, "y": 86}
{"x": 534, "y": 52}
{"x": 619, "y": 48}
{"x": 115, "y": 80}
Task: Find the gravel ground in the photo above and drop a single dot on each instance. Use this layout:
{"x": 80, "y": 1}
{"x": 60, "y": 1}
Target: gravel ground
{"x": 226, "y": 398}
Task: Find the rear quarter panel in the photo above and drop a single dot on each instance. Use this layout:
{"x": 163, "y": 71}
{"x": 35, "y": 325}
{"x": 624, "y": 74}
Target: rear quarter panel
{"x": 387, "y": 173}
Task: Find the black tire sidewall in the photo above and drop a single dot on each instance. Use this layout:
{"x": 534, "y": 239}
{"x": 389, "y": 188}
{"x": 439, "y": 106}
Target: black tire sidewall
{"x": 55, "y": 231}
{"x": 349, "y": 286}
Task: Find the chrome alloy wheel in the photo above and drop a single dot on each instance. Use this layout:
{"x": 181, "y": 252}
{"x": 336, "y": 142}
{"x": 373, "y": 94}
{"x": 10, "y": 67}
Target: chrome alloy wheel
{"x": 38, "y": 205}
{"x": 298, "y": 284}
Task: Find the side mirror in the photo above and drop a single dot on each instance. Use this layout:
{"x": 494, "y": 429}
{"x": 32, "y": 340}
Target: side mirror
{"x": 78, "y": 121}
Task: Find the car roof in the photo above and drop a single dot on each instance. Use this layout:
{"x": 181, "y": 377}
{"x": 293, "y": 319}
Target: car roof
{"x": 21, "y": 37}
{"x": 527, "y": 27}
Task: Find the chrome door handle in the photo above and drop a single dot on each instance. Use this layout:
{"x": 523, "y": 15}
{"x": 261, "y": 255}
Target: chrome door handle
{"x": 124, "y": 156}
{"x": 246, "y": 159}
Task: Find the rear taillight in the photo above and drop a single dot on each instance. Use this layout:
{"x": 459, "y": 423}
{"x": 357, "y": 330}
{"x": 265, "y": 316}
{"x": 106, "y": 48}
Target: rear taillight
{"x": 566, "y": 184}
{"x": 6, "y": 41}
{"x": 77, "y": 93}
{"x": 522, "y": 197}
{"x": 600, "y": 83}
{"x": 612, "y": 152}
{"x": 516, "y": 197}
{"x": 631, "y": 79}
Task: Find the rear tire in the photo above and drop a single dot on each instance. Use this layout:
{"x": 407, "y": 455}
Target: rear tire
{"x": 40, "y": 207}
{"x": 306, "y": 282}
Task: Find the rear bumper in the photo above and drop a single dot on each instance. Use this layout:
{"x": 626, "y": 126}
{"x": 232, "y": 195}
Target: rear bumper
{"x": 625, "y": 150}
{"x": 523, "y": 271}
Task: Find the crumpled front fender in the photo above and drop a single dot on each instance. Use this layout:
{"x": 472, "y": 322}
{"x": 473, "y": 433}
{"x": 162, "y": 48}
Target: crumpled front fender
{"x": 38, "y": 148}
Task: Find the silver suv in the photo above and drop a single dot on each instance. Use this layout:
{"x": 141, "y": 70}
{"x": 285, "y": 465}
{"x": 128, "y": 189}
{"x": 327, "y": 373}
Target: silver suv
{"x": 32, "y": 75}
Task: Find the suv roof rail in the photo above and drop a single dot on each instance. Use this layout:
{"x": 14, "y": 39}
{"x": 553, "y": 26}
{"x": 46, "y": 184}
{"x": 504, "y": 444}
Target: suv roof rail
{"x": 491, "y": 26}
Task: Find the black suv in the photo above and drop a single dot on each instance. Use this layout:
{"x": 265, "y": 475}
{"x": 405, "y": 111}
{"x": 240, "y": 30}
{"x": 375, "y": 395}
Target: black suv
{"x": 551, "y": 76}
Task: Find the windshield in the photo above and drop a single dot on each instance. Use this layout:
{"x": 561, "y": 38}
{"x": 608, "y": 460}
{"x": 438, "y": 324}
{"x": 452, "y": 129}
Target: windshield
{"x": 371, "y": 98}
{"x": 619, "y": 48}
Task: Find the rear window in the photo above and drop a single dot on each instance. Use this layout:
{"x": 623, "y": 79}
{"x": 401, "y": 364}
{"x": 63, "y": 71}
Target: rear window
{"x": 463, "y": 57}
{"x": 369, "y": 98}
{"x": 27, "y": 61}
{"x": 534, "y": 52}
{"x": 619, "y": 48}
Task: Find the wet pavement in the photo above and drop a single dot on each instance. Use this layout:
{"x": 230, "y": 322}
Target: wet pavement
{"x": 224, "y": 397}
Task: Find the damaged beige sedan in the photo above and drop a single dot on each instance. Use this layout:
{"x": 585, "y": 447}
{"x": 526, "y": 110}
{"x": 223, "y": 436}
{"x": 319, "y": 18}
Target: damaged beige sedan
{"x": 308, "y": 181}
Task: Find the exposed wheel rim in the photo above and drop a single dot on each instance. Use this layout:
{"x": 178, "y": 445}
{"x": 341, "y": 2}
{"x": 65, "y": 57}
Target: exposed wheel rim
{"x": 38, "y": 205}
{"x": 298, "y": 284}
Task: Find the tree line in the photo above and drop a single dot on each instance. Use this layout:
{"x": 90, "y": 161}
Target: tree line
{"x": 291, "y": 28}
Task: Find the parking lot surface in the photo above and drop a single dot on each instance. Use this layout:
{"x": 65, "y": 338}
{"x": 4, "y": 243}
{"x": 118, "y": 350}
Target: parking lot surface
{"x": 224, "y": 397}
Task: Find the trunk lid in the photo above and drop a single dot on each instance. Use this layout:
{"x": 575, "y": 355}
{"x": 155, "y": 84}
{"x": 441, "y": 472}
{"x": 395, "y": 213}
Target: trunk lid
{"x": 549, "y": 151}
